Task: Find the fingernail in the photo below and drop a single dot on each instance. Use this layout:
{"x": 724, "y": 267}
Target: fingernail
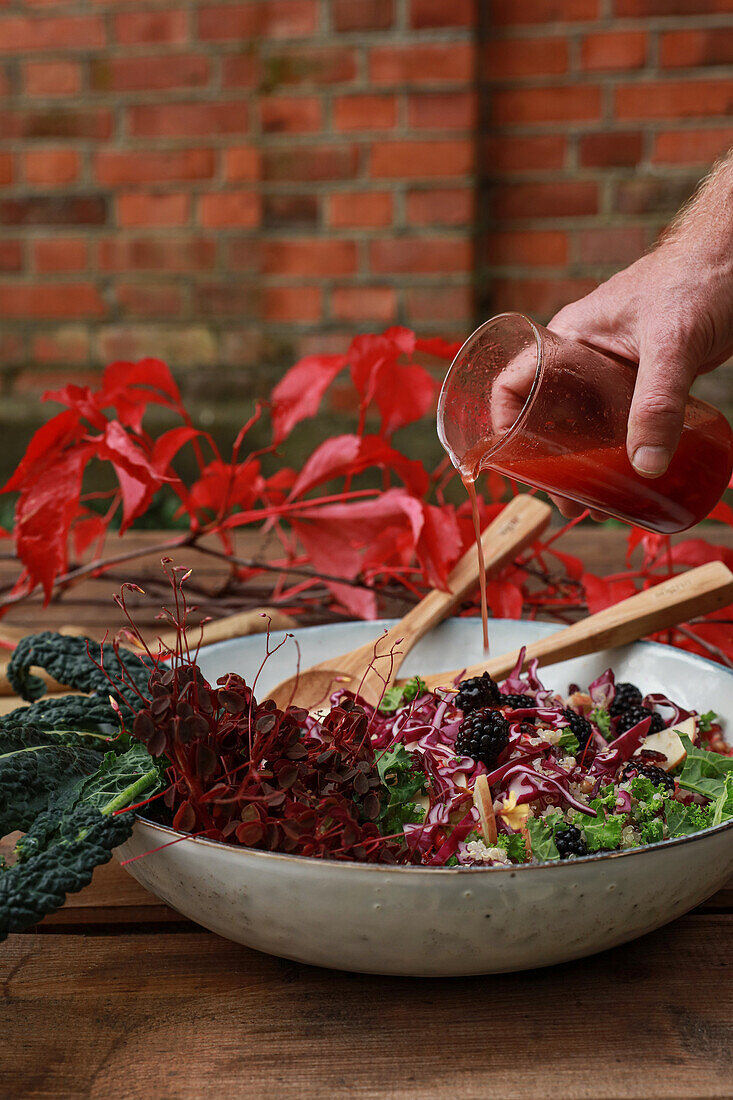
{"x": 650, "y": 461}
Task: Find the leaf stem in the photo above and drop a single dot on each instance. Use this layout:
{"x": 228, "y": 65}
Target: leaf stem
{"x": 130, "y": 793}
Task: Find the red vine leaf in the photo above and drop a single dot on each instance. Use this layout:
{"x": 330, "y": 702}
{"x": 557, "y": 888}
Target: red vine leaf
{"x": 298, "y": 395}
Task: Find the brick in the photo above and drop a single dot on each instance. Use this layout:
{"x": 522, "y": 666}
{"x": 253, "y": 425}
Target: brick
{"x": 290, "y": 114}
{"x": 641, "y": 9}
{"x": 242, "y": 163}
{"x": 524, "y": 154}
{"x": 691, "y": 48}
{"x": 442, "y": 206}
{"x": 538, "y": 248}
{"x": 610, "y": 150}
{"x": 420, "y": 159}
{"x": 292, "y": 304}
{"x": 682, "y": 99}
{"x": 240, "y": 70}
{"x": 365, "y": 210}
{"x": 11, "y": 256}
{"x": 611, "y": 244}
{"x": 691, "y": 146}
{"x": 609, "y": 52}
{"x": 267, "y": 19}
{"x": 506, "y": 13}
{"x": 286, "y": 211}
{"x": 242, "y": 347}
{"x": 51, "y": 166}
{"x": 155, "y": 73}
{"x": 184, "y": 345}
{"x": 412, "y": 255}
{"x": 232, "y": 298}
{"x": 62, "y": 345}
{"x": 365, "y": 112}
{"x": 442, "y": 111}
{"x": 510, "y": 58}
{"x": 421, "y": 64}
{"x": 187, "y": 119}
{"x": 426, "y": 14}
{"x": 5, "y": 85}
{"x": 170, "y": 254}
{"x": 313, "y": 258}
{"x": 566, "y": 198}
{"x": 53, "y": 255}
{"x": 540, "y": 298}
{"x": 230, "y": 209}
{"x": 244, "y": 254}
{"x": 12, "y": 349}
{"x": 141, "y": 208}
{"x": 652, "y": 196}
{"x": 54, "y": 210}
{"x": 439, "y": 304}
{"x": 52, "y": 77}
{"x": 133, "y": 28}
{"x": 6, "y": 169}
{"x": 362, "y": 15}
{"x": 319, "y": 65}
{"x": 295, "y": 163}
{"x": 146, "y": 166}
{"x": 364, "y": 303}
{"x": 53, "y": 300}
{"x": 87, "y": 123}
{"x": 571, "y": 103}
{"x": 71, "y": 32}
{"x": 150, "y": 299}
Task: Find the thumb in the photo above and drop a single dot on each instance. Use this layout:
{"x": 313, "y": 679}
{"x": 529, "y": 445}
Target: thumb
{"x": 657, "y": 410}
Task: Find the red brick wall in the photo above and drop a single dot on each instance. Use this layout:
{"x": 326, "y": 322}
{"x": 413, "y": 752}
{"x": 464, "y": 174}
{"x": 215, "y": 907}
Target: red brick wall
{"x": 598, "y": 118}
{"x": 230, "y": 183}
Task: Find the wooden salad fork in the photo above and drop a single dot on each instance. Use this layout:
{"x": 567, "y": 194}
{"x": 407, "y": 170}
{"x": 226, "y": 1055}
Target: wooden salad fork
{"x": 373, "y": 667}
{"x": 697, "y": 592}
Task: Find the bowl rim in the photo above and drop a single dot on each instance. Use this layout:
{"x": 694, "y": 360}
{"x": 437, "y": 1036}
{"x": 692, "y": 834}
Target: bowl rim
{"x": 391, "y": 868}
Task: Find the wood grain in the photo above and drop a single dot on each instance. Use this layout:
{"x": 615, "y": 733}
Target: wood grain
{"x": 189, "y": 1015}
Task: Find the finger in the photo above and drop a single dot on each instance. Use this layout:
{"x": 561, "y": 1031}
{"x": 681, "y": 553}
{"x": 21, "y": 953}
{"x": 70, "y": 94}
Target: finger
{"x": 657, "y": 410}
{"x": 567, "y": 508}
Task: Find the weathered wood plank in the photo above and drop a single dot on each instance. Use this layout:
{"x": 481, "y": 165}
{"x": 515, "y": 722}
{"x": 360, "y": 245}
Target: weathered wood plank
{"x": 192, "y": 1015}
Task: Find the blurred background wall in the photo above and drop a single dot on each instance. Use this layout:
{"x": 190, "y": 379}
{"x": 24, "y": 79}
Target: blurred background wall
{"x": 232, "y": 185}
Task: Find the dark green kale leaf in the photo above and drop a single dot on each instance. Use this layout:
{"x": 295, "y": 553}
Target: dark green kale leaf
{"x": 33, "y": 767}
{"x": 90, "y": 713}
{"x": 66, "y": 659}
{"x": 78, "y": 831}
{"x": 57, "y": 857}
{"x": 401, "y": 781}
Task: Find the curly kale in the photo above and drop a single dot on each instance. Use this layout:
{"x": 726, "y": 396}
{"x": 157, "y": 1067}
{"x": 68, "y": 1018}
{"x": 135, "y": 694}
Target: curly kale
{"x": 75, "y": 833}
{"x": 33, "y": 768}
{"x": 67, "y": 660}
{"x": 57, "y": 857}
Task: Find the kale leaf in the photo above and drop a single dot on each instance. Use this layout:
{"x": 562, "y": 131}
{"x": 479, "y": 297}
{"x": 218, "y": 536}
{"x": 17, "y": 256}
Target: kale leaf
{"x": 32, "y": 770}
{"x": 601, "y": 833}
{"x": 83, "y": 713}
{"x": 514, "y": 845}
{"x": 602, "y": 720}
{"x": 704, "y": 772}
{"x": 542, "y": 836}
{"x": 401, "y": 781}
{"x": 57, "y": 857}
{"x": 66, "y": 659}
{"x": 684, "y": 820}
{"x": 400, "y": 694}
{"x": 569, "y": 742}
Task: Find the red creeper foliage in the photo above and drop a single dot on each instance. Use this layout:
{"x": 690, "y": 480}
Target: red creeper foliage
{"x": 333, "y": 525}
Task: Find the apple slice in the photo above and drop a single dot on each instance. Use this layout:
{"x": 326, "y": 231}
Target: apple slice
{"x": 668, "y": 743}
{"x": 484, "y": 804}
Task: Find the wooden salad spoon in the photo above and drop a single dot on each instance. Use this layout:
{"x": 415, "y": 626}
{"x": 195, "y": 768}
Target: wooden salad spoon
{"x": 697, "y": 592}
{"x": 523, "y": 519}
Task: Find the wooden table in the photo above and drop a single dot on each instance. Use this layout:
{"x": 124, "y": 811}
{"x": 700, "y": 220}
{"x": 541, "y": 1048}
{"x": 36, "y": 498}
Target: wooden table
{"x": 118, "y": 996}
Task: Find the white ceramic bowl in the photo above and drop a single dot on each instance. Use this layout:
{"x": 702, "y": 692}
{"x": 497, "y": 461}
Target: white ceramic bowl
{"x": 453, "y": 921}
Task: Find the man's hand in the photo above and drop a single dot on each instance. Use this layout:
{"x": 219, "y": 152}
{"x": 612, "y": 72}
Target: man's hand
{"x": 672, "y": 313}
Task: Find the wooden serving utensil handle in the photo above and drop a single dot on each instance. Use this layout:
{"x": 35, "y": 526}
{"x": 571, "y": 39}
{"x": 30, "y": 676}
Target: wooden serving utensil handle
{"x": 697, "y": 592}
{"x": 518, "y": 524}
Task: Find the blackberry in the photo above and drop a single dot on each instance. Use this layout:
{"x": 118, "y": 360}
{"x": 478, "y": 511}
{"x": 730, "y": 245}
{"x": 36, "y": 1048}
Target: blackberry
{"x": 569, "y": 842}
{"x": 634, "y": 715}
{"x": 516, "y": 701}
{"x": 626, "y": 697}
{"x": 479, "y": 691}
{"x": 483, "y": 735}
{"x": 580, "y": 726}
{"x": 651, "y": 772}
